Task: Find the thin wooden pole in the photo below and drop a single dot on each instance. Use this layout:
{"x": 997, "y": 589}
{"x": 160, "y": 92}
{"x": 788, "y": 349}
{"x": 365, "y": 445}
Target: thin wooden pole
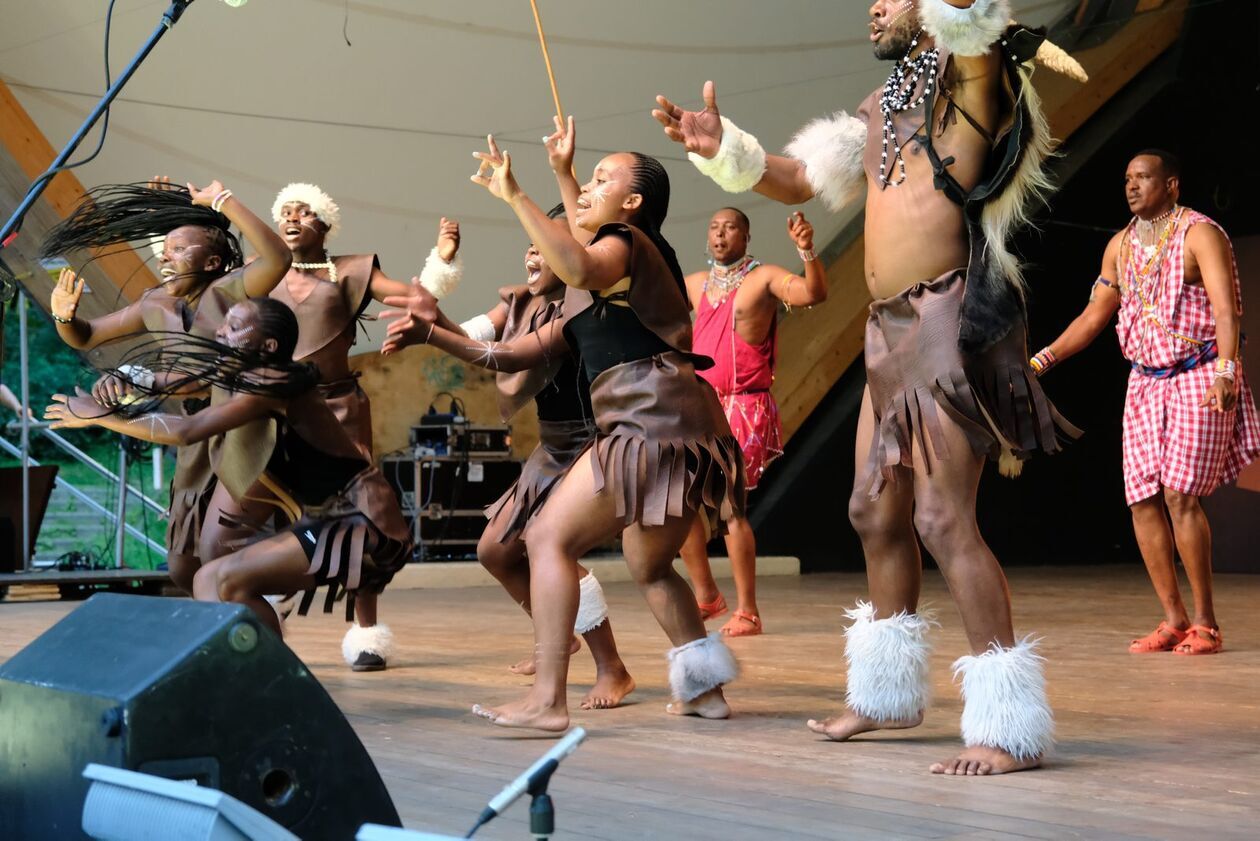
{"x": 551, "y": 76}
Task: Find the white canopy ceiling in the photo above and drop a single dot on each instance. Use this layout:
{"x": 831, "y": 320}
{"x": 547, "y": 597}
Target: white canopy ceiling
{"x": 270, "y": 93}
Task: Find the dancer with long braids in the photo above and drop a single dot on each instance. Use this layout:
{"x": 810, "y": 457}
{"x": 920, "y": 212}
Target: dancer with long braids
{"x": 950, "y": 154}
{"x": 203, "y": 276}
{"x": 562, "y": 395}
{"x": 663, "y": 453}
{"x": 329, "y": 294}
{"x": 341, "y": 535}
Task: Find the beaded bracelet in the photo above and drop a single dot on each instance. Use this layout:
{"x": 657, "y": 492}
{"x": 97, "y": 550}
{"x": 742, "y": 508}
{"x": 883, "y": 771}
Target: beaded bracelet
{"x": 1043, "y": 361}
{"x": 806, "y": 255}
{"x": 1227, "y": 369}
{"x": 61, "y": 320}
{"x": 217, "y": 203}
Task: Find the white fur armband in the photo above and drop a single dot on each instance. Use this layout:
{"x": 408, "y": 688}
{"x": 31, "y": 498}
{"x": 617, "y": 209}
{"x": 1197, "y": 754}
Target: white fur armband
{"x": 479, "y": 328}
{"x": 439, "y": 276}
{"x": 739, "y": 163}
{"x": 966, "y": 32}
{"x": 137, "y": 375}
{"x": 592, "y": 608}
{"x": 831, "y": 149}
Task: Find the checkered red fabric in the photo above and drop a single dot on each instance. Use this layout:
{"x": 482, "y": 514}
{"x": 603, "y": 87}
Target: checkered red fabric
{"x": 1169, "y": 441}
{"x": 1162, "y": 320}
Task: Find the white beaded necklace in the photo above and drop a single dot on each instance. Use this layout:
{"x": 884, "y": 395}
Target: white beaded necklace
{"x": 898, "y": 96}
{"x": 312, "y": 267}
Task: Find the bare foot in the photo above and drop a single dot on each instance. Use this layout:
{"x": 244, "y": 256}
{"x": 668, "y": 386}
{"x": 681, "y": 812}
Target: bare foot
{"x": 711, "y": 704}
{"x": 983, "y": 762}
{"x": 526, "y": 713}
{"x": 849, "y": 723}
{"x": 609, "y": 690}
{"x": 528, "y": 666}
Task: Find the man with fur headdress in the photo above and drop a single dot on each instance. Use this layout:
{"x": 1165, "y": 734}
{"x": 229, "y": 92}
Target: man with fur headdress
{"x": 950, "y": 152}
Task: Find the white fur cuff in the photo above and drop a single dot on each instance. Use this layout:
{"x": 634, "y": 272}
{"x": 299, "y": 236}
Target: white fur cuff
{"x": 377, "y": 639}
{"x": 699, "y": 666}
{"x": 479, "y": 328}
{"x": 137, "y": 375}
{"x": 966, "y": 32}
{"x": 1004, "y": 700}
{"x": 592, "y": 608}
{"x": 888, "y": 664}
{"x": 739, "y": 163}
{"x": 439, "y": 276}
{"x": 831, "y": 149}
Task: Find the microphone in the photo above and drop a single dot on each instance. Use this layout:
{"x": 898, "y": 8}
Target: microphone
{"x": 535, "y": 775}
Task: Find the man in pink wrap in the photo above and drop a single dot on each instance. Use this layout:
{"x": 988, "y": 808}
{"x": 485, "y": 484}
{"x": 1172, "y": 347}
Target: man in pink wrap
{"x": 1190, "y": 424}
{"x": 736, "y": 303}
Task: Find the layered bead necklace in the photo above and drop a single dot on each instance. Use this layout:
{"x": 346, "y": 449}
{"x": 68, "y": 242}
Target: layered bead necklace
{"x": 727, "y": 279}
{"x": 314, "y": 267}
{"x": 898, "y": 96}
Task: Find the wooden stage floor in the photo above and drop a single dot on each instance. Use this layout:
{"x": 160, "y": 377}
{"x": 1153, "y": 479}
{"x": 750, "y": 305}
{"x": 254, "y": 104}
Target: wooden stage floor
{"x": 1155, "y": 746}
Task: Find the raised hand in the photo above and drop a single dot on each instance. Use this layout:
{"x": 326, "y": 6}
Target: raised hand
{"x": 205, "y": 195}
{"x": 64, "y": 302}
{"x": 448, "y": 240}
{"x": 161, "y": 182}
{"x": 112, "y": 390}
{"x": 413, "y": 322}
{"x": 697, "y": 131}
{"x": 495, "y": 172}
{"x": 561, "y": 145}
{"x": 801, "y": 231}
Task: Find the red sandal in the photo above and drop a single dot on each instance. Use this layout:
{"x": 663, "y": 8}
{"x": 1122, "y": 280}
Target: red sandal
{"x": 742, "y": 624}
{"x": 1200, "y": 639}
{"x": 710, "y": 609}
{"x": 1163, "y": 638}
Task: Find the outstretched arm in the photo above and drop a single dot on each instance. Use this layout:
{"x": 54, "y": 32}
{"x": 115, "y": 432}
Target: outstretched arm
{"x": 262, "y": 274}
{"x": 161, "y": 428}
{"x": 1215, "y": 257}
{"x": 561, "y": 146}
{"x": 704, "y": 135}
{"x": 594, "y": 267}
{"x": 1104, "y": 300}
{"x": 83, "y": 333}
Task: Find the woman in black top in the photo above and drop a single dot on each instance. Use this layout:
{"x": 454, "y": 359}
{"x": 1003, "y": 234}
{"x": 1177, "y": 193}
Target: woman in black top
{"x": 663, "y": 452}
{"x": 269, "y": 428}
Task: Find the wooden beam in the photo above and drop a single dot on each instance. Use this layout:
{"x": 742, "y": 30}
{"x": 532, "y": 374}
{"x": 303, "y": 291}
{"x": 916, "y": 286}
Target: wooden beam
{"x": 817, "y": 346}
{"x": 32, "y": 153}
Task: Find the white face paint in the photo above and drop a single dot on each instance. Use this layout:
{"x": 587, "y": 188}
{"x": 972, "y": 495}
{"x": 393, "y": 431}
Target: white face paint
{"x": 898, "y": 12}
{"x": 236, "y": 338}
{"x": 598, "y": 195}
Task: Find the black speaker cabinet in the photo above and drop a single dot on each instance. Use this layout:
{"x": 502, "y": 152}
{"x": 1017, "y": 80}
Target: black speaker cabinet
{"x": 183, "y": 690}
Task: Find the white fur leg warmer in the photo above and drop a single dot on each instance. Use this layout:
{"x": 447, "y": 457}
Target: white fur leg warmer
{"x": 739, "y": 163}
{"x": 831, "y": 149}
{"x": 439, "y": 276}
{"x": 1004, "y": 700}
{"x": 592, "y": 609}
{"x": 967, "y": 32}
{"x": 378, "y": 640}
{"x": 699, "y": 666}
{"x": 888, "y": 663}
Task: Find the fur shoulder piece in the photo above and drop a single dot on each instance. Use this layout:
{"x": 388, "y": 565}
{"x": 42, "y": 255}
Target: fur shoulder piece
{"x": 966, "y": 32}
{"x": 831, "y": 149}
{"x": 739, "y": 163}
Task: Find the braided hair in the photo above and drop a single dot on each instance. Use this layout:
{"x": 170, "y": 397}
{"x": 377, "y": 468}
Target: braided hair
{"x": 651, "y": 181}
{"x": 113, "y": 214}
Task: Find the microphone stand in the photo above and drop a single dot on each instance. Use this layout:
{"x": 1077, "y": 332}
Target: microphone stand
{"x": 169, "y": 18}
{"x": 542, "y": 814}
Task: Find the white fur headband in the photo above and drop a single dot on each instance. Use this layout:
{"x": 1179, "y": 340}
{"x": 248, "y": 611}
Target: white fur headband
{"x": 318, "y": 201}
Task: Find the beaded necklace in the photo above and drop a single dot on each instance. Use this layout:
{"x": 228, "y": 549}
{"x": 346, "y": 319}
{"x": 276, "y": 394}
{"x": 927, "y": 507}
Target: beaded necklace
{"x": 899, "y": 96}
{"x": 727, "y": 279}
{"x": 313, "y": 267}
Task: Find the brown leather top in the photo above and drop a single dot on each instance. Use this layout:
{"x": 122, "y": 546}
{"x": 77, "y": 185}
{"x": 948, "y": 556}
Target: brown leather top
{"x": 329, "y": 311}
{"x": 163, "y": 312}
{"x": 528, "y": 314}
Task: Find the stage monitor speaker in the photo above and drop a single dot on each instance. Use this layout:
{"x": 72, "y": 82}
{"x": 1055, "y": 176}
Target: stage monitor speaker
{"x": 182, "y": 690}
